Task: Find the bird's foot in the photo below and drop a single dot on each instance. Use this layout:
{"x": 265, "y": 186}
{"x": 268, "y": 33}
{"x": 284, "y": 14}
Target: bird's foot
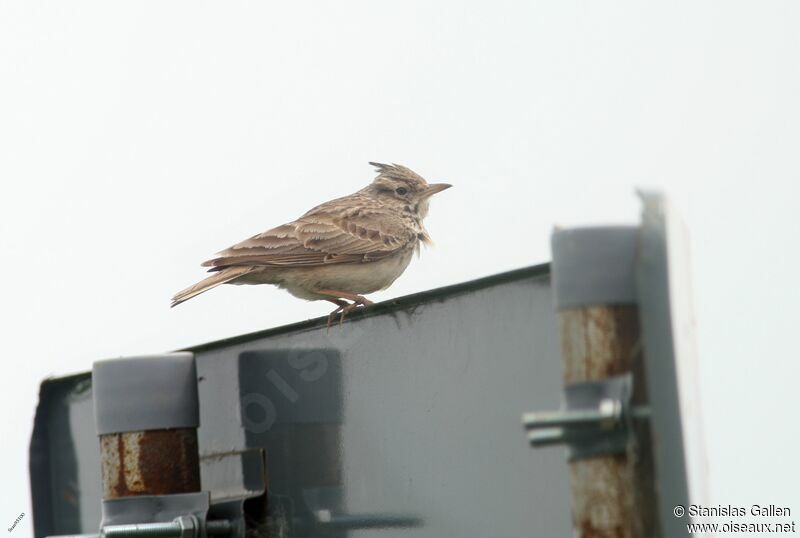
{"x": 343, "y": 307}
{"x": 362, "y": 301}
{"x": 351, "y": 307}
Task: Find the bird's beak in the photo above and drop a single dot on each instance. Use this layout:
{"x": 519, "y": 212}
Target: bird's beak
{"x": 434, "y": 188}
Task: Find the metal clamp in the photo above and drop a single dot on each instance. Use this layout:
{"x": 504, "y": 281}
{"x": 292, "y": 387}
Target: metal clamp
{"x": 595, "y": 419}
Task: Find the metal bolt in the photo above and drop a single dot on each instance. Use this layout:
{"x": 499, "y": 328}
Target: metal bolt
{"x": 555, "y": 427}
{"x": 328, "y": 519}
{"x": 552, "y": 436}
{"x": 219, "y": 527}
{"x": 75, "y": 536}
{"x": 172, "y": 529}
{"x": 607, "y": 414}
{"x": 181, "y": 527}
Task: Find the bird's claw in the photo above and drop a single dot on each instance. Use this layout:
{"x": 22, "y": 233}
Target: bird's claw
{"x": 333, "y": 315}
{"x": 344, "y": 309}
{"x": 349, "y": 308}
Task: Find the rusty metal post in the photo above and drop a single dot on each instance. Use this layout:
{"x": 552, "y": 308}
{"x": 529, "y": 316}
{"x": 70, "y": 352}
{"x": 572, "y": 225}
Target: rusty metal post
{"x": 154, "y": 462}
{"x": 593, "y": 268}
{"x": 146, "y": 411}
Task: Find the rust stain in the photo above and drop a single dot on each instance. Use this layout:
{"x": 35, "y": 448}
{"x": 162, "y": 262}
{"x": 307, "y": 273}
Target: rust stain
{"x": 597, "y": 341}
{"x": 112, "y": 454}
{"x": 121, "y": 486}
{"x": 602, "y": 505}
{"x": 156, "y": 462}
{"x": 168, "y": 461}
{"x": 133, "y": 478}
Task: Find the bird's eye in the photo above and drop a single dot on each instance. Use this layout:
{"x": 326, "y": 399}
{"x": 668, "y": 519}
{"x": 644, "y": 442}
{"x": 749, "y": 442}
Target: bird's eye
{"x": 401, "y": 190}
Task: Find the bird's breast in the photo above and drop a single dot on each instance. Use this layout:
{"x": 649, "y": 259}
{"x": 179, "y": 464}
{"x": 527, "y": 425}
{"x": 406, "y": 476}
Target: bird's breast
{"x": 359, "y": 278}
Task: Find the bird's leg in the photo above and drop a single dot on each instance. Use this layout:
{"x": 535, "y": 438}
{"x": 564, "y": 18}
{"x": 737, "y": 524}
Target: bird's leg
{"x": 341, "y": 305}
{"x": 357, "y": 299}
{"x": 344, "y": 309}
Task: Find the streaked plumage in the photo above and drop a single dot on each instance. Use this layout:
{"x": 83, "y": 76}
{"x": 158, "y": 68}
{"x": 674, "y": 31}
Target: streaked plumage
{"x": 338, "y": 250}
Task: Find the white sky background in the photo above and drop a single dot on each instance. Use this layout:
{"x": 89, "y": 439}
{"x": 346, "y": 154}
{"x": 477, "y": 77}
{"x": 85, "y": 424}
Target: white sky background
{"x": 137, "y": 139}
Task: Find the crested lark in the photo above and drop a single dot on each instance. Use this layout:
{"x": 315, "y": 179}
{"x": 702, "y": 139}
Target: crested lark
{"x": 339, "y": 250}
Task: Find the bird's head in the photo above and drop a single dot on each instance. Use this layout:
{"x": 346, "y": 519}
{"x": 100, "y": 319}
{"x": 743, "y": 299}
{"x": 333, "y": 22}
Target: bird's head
{"x": 401, "y": 186}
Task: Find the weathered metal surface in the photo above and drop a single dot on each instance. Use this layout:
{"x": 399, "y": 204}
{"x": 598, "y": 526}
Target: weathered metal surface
{"x": 612, "y": 496}
{"x": 409, "y": 412}
{"x": 156, "y": 462}
{"x": 413, "y": 410}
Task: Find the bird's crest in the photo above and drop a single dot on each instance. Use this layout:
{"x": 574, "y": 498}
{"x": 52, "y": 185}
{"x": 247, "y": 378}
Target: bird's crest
{"x": 398, "y": 171}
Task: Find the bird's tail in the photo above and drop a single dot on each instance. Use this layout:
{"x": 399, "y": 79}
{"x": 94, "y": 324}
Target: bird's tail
{"x": 226, "y": 275}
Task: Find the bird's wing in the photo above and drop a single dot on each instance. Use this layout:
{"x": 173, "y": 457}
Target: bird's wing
{"x": 321, "y": 238}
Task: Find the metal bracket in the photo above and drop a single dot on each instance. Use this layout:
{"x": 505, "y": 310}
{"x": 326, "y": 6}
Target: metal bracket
{"x": 594, "y": 420}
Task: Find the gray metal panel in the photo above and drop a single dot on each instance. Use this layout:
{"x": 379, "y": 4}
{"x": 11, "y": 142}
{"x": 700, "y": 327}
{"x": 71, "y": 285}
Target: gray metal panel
{"x": 65, "y": 458}
{"x": 409, "y": 414}
{"x": 672, "y": 371}
{"x": 412, "y": 411}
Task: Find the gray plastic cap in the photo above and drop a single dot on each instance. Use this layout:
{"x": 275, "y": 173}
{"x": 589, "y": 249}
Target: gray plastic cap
{"x": 594, "y": 266}
{"x": 153, "y": 392}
